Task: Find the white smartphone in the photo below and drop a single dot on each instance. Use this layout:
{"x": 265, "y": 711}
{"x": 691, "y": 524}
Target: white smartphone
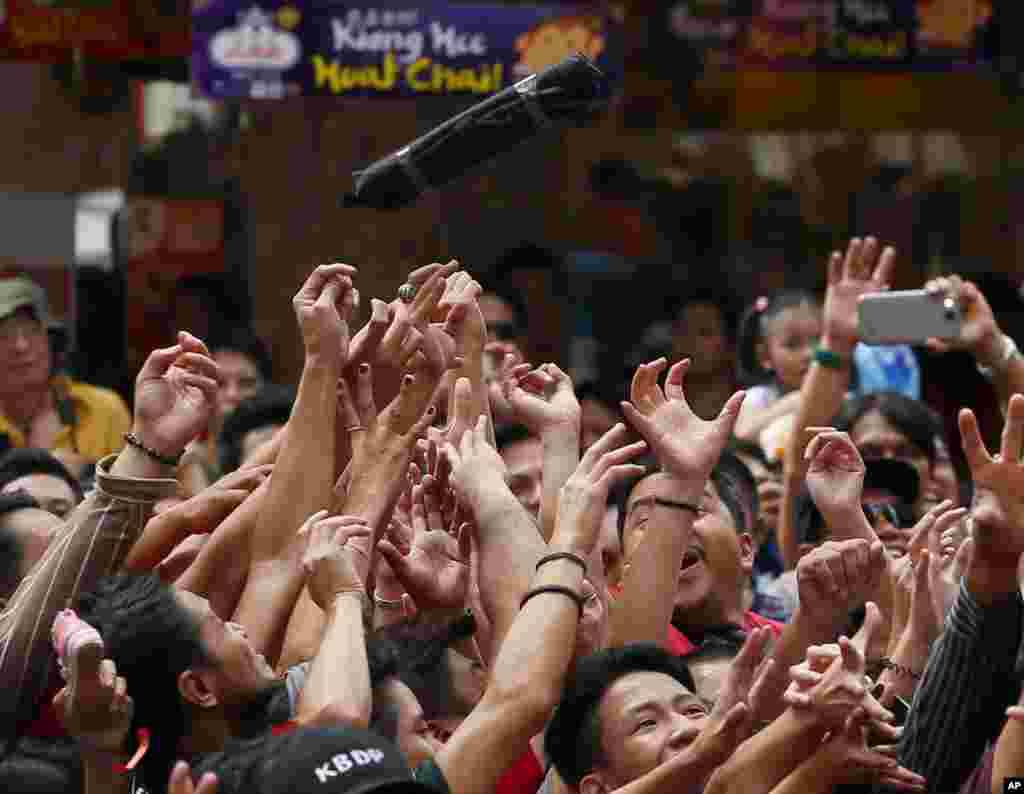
{"x": 907, "y": 317}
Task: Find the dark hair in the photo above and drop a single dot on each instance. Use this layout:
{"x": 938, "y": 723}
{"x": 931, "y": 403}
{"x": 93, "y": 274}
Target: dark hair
{"x": 17, "y": 500}
{"x": 10, "y": 563}
{"x": 514, "y": 300}
{"x": 18, "y": 463}
{"x": 752, "y": 330}
{"x": 704, "y": 296}
{"x": 751, "y": 449}
{"x": 241, "y": 339}
{"x": 215, "y": 291}
{"x": 152, "y": 639}
{"x": 41, "y": 766}
{"x": 601, "y": 392}
{"x": 910, "y": 417}
{"x": 741, "y": 485}
{"x": 272, "y": 405}
{"x": 422, "y": 660}
{"x": 807, "y": 519}
{"x": 572, "y": 739}
{"x": 382, "y": 659}
{"x": 508, "y": 434}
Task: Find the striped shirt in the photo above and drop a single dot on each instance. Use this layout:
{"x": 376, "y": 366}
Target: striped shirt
{"x": 967, "y": 685}
{"x": 92, "y": 544}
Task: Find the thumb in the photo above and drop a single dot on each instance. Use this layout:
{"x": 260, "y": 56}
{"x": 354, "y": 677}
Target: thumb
{"x": 159, "y": 361}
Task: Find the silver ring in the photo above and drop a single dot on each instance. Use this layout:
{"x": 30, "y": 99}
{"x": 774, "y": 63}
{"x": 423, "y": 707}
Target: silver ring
{"x": 407, "y": 292}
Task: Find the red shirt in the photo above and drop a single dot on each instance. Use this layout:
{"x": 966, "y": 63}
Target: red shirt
{"x": 525, "y": 776}
{"x": 679, "y": 645}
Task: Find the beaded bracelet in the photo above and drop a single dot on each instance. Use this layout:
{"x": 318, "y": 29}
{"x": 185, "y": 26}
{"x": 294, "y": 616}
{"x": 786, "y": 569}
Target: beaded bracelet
{"x": 133, "y": 440}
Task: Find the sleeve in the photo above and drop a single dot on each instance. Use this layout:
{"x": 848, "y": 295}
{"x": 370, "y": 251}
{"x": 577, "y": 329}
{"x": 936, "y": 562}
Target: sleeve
{"x": 294, "y": 680}
{"x": 92, "y": 544}
{"x": 967, "y": 685}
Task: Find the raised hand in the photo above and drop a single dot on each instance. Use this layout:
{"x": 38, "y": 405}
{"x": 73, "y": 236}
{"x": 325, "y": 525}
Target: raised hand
{"x": 846, "y": 755}
{"x": 863, "y": 270}
{"x": 684, "y": 444}
{"x": 180, "y": 781}
{"x": 584, "y": 497}
{"x": 506, "y": 358}
{"x": 542, "y": 399}
{"x": 979, "y": 333}
{"x": 838, "y": 691}
{"x": 834, "y": 579}
{"x": 323, "y": 307}
{"x": 175, "y": 395}
{"x": 98, "y": 715}
{"x": 835, "y": 477}
{"x": 435, "y": 570}
{"x": 998, "y": 512}
{"x": 947, "y": 560}
{"x": 738, "y": 695}
{"x": 333, "y": 563}
{"x": 475, "y": 465}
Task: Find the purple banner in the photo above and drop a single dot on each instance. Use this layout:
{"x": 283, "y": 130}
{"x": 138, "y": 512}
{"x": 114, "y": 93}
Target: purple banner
{"x": 268, "y": 50}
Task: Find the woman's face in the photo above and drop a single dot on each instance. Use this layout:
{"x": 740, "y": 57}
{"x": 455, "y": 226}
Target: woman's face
{"x": 878, "y": 439}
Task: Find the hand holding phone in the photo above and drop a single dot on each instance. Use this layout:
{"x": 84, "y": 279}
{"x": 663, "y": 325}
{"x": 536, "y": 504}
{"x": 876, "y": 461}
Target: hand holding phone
{"x": 907, "y": 317}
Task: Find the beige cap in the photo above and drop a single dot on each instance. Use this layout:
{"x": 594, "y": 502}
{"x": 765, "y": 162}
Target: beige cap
{"x": 19, "y": 292}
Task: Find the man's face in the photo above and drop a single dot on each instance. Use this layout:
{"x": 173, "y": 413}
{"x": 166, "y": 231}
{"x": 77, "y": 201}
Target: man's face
{"x": 415, "y": 737}
{"x": 238, "y": 671}
{"x": 35, "y": 530}
{"x": 241, "y": 379}
{"x": 24, "y": 351}
{"x": 611, "y": 547}
{"x": 877, "y": 439}
{"x": 525, "y": 461}
{"x": 646, "y": 720}
{"x": 53, "y": 494}
{"x": 718, "y": 561}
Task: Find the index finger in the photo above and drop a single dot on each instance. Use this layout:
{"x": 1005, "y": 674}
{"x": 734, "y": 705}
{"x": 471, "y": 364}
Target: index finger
{"x": 314, "y": 285}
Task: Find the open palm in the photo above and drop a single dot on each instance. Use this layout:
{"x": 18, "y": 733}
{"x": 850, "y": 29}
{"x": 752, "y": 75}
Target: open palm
{"x": 435, "y": 572}
{"x": 863, "y": 270}
{"x": 685, "y": 444}
{"x": 835, "y": 477}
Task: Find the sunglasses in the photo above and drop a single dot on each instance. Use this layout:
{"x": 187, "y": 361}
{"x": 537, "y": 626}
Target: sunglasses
{"x": 504, "y": 331}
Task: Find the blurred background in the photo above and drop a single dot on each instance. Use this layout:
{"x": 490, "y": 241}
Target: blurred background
{"x": 745, "y": 141}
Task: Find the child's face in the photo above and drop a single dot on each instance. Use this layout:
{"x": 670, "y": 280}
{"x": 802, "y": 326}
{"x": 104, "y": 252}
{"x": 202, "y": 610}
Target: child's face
{"x": 789, "y": 340}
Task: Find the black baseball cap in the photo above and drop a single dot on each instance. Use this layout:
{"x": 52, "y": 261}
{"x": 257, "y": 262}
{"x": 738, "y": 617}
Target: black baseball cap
{"x": 310, "y": 760}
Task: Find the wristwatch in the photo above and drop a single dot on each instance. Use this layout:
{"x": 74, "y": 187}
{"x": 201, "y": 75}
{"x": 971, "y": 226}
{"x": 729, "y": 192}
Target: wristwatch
{"x": 1009, "y": 353}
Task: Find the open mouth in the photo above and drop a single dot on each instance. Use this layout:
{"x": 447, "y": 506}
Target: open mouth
{"x": 692, "y": 557}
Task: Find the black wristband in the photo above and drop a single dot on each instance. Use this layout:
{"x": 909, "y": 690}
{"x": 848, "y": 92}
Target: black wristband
{"x": 555, "y": 588}
{"x": 563, "y": 555}
{"x": 133, "y": 441}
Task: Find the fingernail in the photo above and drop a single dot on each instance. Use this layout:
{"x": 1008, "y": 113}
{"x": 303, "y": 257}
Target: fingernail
{"x": 364, "y": 368}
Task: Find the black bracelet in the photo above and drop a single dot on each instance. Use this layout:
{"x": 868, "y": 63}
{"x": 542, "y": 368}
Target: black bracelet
{"x": 899, "y": 669}
{"x": 133, "y": 440}
{"x": 555, "y": 588}
{"x": 564, "y": 555}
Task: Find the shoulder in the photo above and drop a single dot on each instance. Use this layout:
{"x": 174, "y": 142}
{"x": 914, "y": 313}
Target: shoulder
{"x": 95, "y": 396}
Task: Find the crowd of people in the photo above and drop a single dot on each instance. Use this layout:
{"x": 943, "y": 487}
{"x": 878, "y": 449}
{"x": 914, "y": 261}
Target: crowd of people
{"x": 436, "y": 567}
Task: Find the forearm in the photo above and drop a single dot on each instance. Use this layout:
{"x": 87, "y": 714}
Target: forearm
{"x": 561, "y": 457}
{"x": 911, "y": 656}
{"x": 91, "y": 545}
{"x": 1005, "y": 374}
{"x": 304, "y": 471}
{"x": 227, "y": 549}
{"x": 160, "y": 536}
{"x": 510, "y": 546}
{"x": 816, "y": 775}
{"x": 338, "y": 687}
{"x": 524, "y": 686}
{"x": 643, "y": 611}
{"x": 301, "y": 639}
{"x": 821, "y": 396}
{"x": 765, "y": 759}
{"x": 683, "y": 773}
{"x": 267, "y": 452}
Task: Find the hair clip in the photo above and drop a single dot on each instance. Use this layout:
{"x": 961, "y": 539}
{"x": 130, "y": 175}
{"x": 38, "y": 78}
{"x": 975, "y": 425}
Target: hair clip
{"x": 761, "y": 304}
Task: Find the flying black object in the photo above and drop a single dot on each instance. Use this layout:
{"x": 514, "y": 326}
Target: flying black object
{"x": 571, "y": 92}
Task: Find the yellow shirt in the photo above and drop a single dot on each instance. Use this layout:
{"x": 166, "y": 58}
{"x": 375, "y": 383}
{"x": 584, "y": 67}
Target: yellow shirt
{"x": 100, "y": 421}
